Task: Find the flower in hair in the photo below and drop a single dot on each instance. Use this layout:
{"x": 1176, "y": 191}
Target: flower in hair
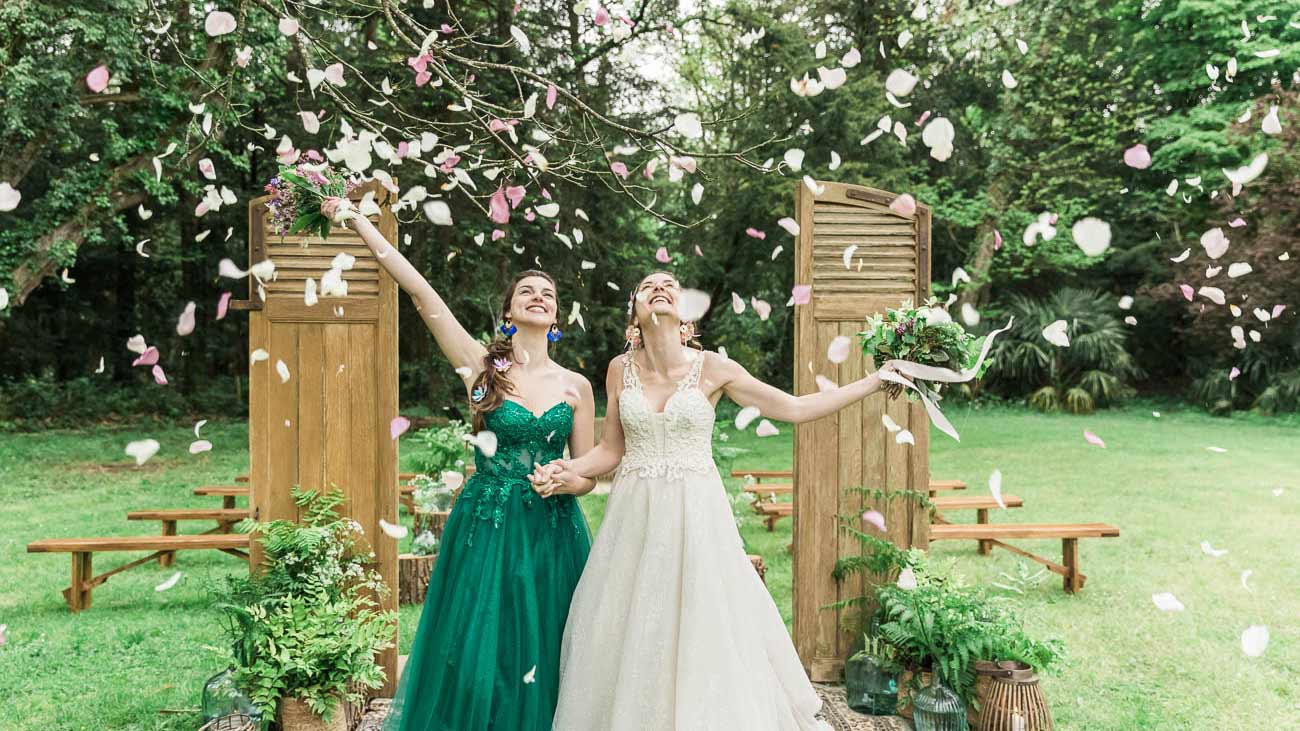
{"x": 478, "y": 394}
{"x": 501, "y": 364}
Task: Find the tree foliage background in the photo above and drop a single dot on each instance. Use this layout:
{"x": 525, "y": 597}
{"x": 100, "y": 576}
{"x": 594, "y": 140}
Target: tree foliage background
{"x": 1096, "y": 77}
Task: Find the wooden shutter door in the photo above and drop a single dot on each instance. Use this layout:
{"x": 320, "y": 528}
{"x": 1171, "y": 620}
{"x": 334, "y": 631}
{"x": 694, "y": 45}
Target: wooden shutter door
{"x": 852, "y": 448}
{"x": 327, "y": 426}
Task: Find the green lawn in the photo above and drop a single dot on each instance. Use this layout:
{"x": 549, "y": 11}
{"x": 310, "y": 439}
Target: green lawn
{"x": 138, "y": 652}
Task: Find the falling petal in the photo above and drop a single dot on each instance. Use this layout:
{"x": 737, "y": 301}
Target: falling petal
{"x": 169, "y": 583}
{"x": 838, "y": 350}
{"x": 995, "y": 488}
{"x": 438, "y": 212}
{"x": 283, "y": 370}
{"x": 1187, "y": 291}
{"x": 1008, "y": 80}
{"x": 889, "y": 423}
{"x": 486, "y": 442}
{"x": 900, "y": 83}
{"x": 1254, "y": 640}
{"x": 906, "y": 579}
{"x": 746, "y": 416}
{"x": 1137, "y": 157}
{"x": 396, "y": 532}
{"x": 1056, "y": 335}
{"x": 905, "y": 437}
{"x": 1092, "y": 235}
{"x": 790, "y": 225}
{"x": 766, "y": 429}
{"x": 688, "y": 125}
{"x": 200, "y": 445}
{"x": 755, "y": 233}
{"x": 1167, "y": 602}
{"x": 142, "y": 450}
{"x": 288, "y": 26}
{"x": 1209, "y": 550}
{"x": 904, "y": 205}
{"x": 185, "y": 325}
{"x": 398, "y": 426}
{"x": 662, "y": 255}
{"x": 794, "y": 158}
{"x": 875, "y": 518}
{"x": 97, "y": 79}
{"x": 802, "y": 294}
{"x": 1093, "y": 439}
{"x": 219, "y": 23}
{"x": 530, "y": 676}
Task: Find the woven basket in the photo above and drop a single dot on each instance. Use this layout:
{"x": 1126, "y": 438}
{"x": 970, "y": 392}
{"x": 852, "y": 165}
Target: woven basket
{"x": 297, "y": 716}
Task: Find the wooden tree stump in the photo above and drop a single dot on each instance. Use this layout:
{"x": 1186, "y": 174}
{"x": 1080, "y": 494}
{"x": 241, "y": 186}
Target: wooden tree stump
{"x": 759, "y": 566}
{"x": 433, "y": 522}
{"x": 413, "y": 573}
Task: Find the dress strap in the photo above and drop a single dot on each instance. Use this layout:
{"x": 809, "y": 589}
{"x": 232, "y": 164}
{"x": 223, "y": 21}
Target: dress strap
{"x": 692, "y": 378}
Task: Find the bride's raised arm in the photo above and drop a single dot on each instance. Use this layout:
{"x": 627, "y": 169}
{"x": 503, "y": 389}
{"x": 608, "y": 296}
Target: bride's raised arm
{"x": 774, "y": 403}
{"x": 456, "y": 343}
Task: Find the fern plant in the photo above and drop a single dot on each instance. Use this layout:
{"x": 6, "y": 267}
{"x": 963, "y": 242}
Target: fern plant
{"x": 1096, "y": 370}
{"x": 879, "y": 560}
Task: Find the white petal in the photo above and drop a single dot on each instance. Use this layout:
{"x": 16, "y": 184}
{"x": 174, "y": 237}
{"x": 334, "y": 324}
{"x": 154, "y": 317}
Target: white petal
{"x": 688, "y": 125}
{"x": 794, "y": 158}
{"x": 906, "y": 579}
{"x": 524, "y": 46}
{"x": 737, "y": 304}
{"x": 904, "y": 437}
{"x": 393, "y": 531}
{"x": 170, "y": 582}
{"x": 438, "y": 212}
{"x": 486, "y": 442}
{"x": 282, "y": 370}
{"x": 692, "y": 304}
{"x": 1209, "y": 550}
{"x": 790, "y": 225}
{"x": 1214, "y": 242}
{"x": 900, "y": 83}
{"x": 1167, "y": 602}
{"x": 1056, "y": 335}
{"x": 838, "y": 351}
{"x": 766, "y": 429}
{"x": 219, "y": 23}
{"x": 1254, "y": 640}
{"x": 1092, "y": 235}
{"x": 548, "y": 210}
{"x": 1238, "y": 269}
{"x": 995, "y": 488}
{"x": 889, "y": 423}
{"x": 142, "y": 450}
{"x": 9, "y": 197}
{"x": 746, "y": 416}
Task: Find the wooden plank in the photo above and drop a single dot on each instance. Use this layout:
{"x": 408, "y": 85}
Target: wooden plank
{"x": 259, "y": 415}
{"x": 359, "y": 479}
{"x": 763, "y": 474}
{"x": 337, "y": 405}
{"x": 1070, "y": 558}
{"x": 769, "y": 488}
{"x": 853, "y": 419}
{"x": 187, "y": 514}
{"x": 976, "y": 502}
{"x": 223, "y": 490}
{"x": 311, "y": 415}
{"x": 1023, "y": 530}
{"x": 283, "y": 427}
{"x": 138, "y": 543}
{"x": 386, "y": 406}
{"x": 804, "y": 564}
{"x": 291, "y": 308}
{"x": 824, "y": 481}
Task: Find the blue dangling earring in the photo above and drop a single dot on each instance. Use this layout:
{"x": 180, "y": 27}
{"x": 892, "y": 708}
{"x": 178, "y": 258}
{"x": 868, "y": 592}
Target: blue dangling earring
{"x": 508, "y": 328}
{"x": 554, "y": 334}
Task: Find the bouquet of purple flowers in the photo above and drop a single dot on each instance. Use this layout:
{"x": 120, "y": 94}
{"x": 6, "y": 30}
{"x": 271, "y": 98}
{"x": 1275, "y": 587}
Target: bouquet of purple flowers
{"x": 298, "y": 190}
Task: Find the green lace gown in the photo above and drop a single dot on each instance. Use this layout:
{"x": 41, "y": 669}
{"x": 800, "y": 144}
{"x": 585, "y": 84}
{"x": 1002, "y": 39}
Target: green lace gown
{"x": 487, "y": 651}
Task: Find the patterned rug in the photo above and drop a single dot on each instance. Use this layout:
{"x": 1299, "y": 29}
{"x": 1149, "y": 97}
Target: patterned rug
{"x": 836, "y": 712}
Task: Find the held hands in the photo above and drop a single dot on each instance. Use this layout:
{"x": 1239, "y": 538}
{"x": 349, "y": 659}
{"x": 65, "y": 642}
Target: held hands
{"x": 554, "y": 478}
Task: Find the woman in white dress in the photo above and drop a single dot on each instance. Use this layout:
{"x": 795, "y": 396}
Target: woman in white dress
{"x": 670, "y": 627}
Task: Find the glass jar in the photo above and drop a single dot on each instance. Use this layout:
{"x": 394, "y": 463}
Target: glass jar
{"x": 937, "y": 707}
{"x": 868, "y": 688}
{"x": 222, "y": 697}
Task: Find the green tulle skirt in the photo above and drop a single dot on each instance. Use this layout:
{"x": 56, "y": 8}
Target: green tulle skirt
{"x": 487, "y": 651}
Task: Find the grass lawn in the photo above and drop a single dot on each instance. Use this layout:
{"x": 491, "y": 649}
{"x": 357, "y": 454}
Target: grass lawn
{"x": 138, "y": 652}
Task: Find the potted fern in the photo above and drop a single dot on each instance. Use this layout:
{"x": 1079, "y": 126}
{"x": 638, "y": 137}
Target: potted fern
{"x": 304, "y": 630}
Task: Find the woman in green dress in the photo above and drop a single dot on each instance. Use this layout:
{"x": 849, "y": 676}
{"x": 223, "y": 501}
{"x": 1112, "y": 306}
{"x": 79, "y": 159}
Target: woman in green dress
{"x": 486, "y": 654}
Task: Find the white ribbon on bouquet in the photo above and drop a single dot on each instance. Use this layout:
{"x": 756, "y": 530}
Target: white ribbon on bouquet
{"x": 942, "y": 375}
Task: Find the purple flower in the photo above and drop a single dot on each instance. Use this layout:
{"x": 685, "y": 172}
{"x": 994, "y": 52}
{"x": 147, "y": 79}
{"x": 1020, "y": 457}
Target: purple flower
{"x": 501, "y": 364}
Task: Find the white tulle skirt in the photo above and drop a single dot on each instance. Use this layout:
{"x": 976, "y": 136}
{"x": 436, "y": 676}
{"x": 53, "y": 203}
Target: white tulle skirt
{"x": 670, "y": 628}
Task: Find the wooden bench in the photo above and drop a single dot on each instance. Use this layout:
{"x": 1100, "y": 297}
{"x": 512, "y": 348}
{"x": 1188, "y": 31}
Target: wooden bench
{"x": 773, "y": 510}
{"x": 981, "y": 504}
{"x": 227, "y": 493}
{"x": 225, "y": 519}
{"x": 83, "y": 549}
{"x": 1068, "y": 533}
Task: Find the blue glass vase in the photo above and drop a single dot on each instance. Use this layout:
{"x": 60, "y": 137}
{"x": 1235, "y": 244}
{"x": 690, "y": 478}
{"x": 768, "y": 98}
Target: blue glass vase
{"x": 937, "y": 707}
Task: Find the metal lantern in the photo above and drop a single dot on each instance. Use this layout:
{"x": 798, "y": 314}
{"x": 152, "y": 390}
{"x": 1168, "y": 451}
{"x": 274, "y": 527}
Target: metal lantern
{"x": 938, "y": 708}
{"x": 224, "y": 699}
{"x": 1012, "y": 700}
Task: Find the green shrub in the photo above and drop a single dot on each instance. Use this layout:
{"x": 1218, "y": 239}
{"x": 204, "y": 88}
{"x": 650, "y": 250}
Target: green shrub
{"x": 439, "y": 448}
{"x": 1096, "y": 370}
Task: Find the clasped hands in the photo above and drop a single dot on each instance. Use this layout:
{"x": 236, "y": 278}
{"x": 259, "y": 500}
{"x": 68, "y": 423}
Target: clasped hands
{"x": 555, "y": 477}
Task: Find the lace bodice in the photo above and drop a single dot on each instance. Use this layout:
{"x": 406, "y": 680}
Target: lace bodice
{"x": 673, "y": 442}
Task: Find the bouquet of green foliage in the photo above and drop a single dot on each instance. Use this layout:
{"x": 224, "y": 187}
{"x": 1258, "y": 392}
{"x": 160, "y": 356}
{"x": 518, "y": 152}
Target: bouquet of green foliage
{"x": 925, "y": 336}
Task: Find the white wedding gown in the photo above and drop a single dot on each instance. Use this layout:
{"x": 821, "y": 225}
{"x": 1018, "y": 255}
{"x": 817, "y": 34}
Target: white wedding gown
{"x": 670, "y": 628}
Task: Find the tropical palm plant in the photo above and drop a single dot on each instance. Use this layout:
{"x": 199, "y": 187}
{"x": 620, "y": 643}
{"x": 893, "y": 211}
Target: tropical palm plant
{"x": 1095, "y": 370}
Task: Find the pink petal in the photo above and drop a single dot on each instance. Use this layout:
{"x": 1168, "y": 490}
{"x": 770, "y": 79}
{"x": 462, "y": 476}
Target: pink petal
{"x": 497, "y": 125}
{"x": 222, "y": 305}
{"x": 662, "y": 255}
{"x": 158, "y": 376}
{"x": 1232, "y": 374}
{"x": 701, "y": 253}
{"x": 620, "y": 169}
{"x": 288, "y": 26}
{"x": 875, "y": 518}
{"x": 498, "y": 234}
{"x": 1278, "y": 310}
{"x": 551, "y": 92}
{"x": 1237, "y": 222}
{"x": 1093, "y": 439}
{"x": 602, "y": 16}
{"x": 529, "y": 215}
{"x": 997, "y": 239}
{"x": 148, "y": 357}
{"x": 755, "y": 233}
{"x": 422, "y": 77}
{"x": 802, "y": 294}
{"x": 498, "y": 208}
{"x": 515, "y": 194}
{"x": 398, "y": 426}
{"x": 904, "y": 205}
{"x": 185, "y": 325}
{"x": 1187, "y": 291}
{"x": 97, "y": 79}
{"x": 1137, "y": 157}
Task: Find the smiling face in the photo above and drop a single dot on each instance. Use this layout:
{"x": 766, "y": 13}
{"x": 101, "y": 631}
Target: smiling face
{"x": 534, "y": 302}
{"x": 657, "y": 294}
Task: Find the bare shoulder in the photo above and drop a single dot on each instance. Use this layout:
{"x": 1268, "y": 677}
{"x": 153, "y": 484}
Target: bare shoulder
{"x": 576, "y": 381}
{"x": 719, "y": 367}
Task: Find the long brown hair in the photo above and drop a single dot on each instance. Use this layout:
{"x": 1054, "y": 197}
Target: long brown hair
{"x": 494, "y": 383}
{"x": 692, "y": 342}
